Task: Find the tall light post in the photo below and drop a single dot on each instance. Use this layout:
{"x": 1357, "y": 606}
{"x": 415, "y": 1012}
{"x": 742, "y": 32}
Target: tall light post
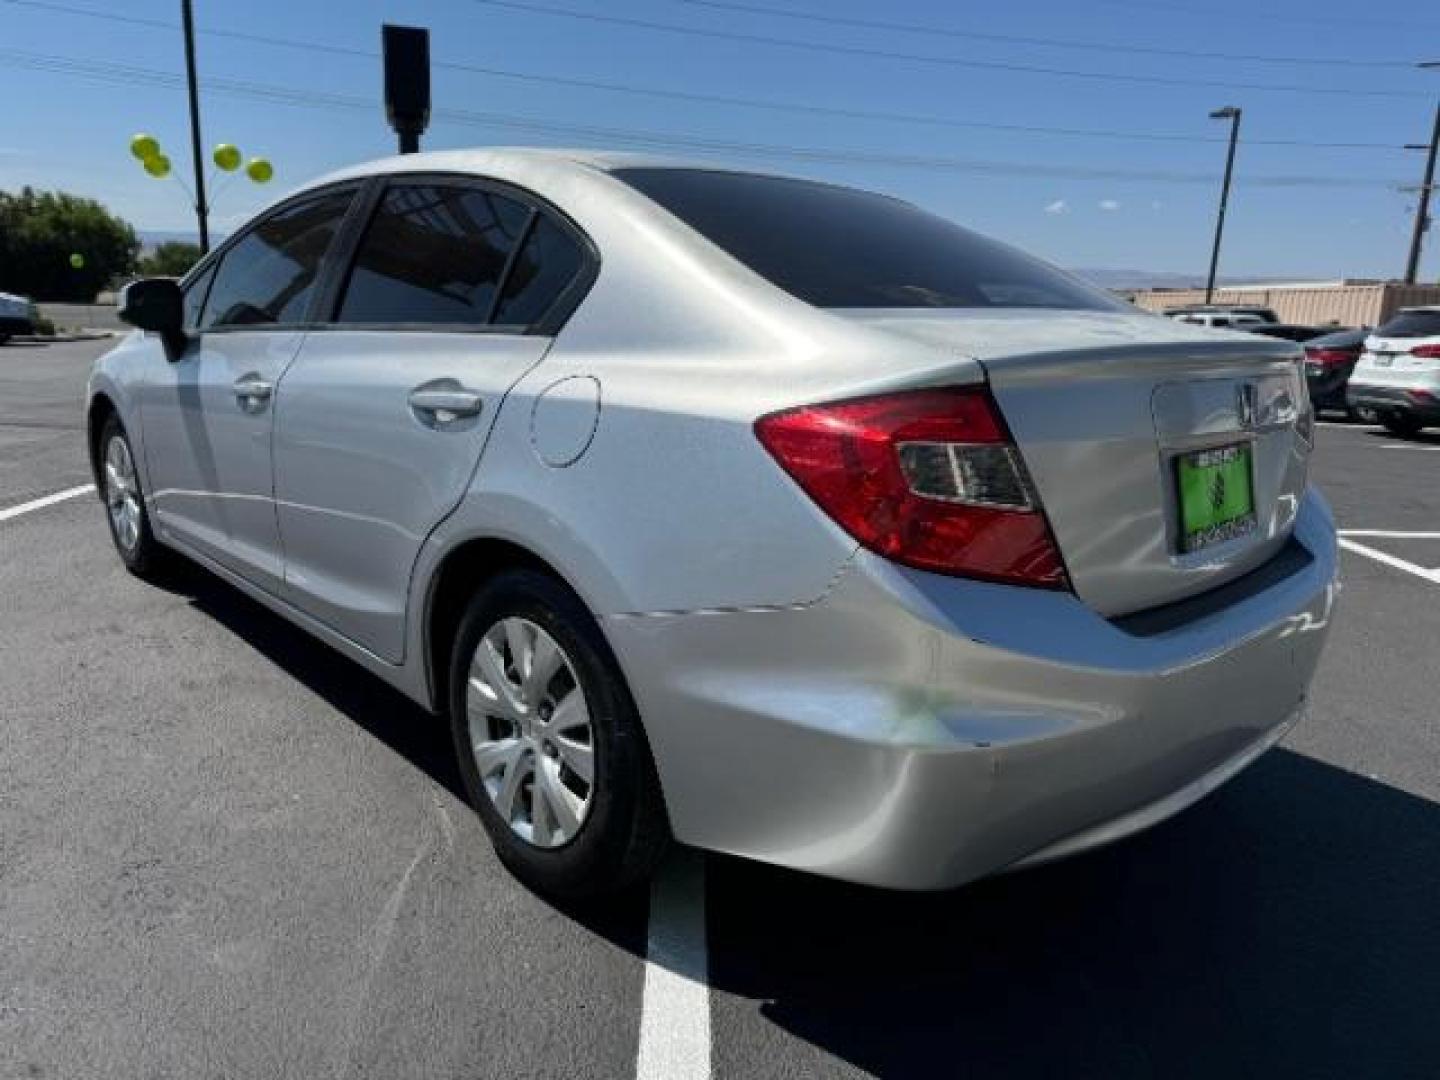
{"x": 202, "y": 210}
{"x": 1422, "y": 209}
{"x": 1231, "y": 113}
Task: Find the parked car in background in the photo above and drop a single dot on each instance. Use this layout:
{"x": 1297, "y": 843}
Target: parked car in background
{"x": 1290, "y": 331}
{"x": 1398, "y": 374}
{"x": 1329, "y": 360}
{"x": 1220, "y": 320}
{"x": 17, "y": 316}
{"x": 1264, "y": 314}
{"x": 904, "y": 568}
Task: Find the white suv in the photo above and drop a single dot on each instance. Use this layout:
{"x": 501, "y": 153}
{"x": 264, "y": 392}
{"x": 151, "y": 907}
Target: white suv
{"x": 1398, "y": 375}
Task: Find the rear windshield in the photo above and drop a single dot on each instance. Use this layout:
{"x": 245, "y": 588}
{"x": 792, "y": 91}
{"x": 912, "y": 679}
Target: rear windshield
{"x": 837, "y": 247}
{"x": 1411, "y": 324}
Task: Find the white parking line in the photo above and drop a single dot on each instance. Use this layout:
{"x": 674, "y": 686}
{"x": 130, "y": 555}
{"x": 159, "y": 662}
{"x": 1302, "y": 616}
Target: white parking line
{"x": 675, "y": 1007}
{"x": 1391, "y": 534}
{"x": 1432, "y": 576}
{"x": 48, "y": 500}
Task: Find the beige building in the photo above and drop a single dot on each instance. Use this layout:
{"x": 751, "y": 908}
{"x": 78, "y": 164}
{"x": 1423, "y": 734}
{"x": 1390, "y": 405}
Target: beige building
{"x": 1350, "y": 302}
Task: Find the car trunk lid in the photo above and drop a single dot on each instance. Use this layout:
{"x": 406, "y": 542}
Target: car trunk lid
{"x": 1103, "y": 407}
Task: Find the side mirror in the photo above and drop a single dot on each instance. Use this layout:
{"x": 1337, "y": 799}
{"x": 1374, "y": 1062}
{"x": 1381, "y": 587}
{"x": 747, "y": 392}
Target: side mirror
{"x": 155, "y": 304}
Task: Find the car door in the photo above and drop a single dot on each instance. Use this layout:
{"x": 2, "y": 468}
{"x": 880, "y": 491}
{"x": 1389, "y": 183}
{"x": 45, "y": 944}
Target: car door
{"x": 208, "y": 414}
{"x": 382, "y": 418}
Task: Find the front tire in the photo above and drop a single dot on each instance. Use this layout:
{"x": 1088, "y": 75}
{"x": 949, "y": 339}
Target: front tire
{"x": 549, "y": 742}
{"x": 129, "y": 521}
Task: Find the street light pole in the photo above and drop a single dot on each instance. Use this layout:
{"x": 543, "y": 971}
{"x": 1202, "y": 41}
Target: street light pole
{"x": 1422, "y": 210}
{"x": 1231, "y": 113}
{"x": 202, "y": 211}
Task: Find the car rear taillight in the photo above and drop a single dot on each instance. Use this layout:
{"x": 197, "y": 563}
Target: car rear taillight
{"x": 1426, "y": 352}
{"x": 928, "y": 478}
{"x": 1328, "y": 357}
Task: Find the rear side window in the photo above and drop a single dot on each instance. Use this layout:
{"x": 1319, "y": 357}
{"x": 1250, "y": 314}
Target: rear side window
{"x": 268, "y": 276}
{"x": 837, "y": 247}
{"x": 543, "y": 269}
{"x": 432, "y": 255}
{"x": 1410, "y": 324}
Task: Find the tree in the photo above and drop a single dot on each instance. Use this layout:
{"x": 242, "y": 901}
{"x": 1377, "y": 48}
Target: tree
{"x": 170, "y": 259}
{"x": 40, "y": 231}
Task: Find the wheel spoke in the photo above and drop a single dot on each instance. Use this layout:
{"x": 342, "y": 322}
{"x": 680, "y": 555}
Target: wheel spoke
{"x": 493, "y": 756}
{"x": 545, "y": 661}
{"x": 522, "y": 648}
{"x": 561, "y": 803}
{"x": 487, "y": 676}
{"x": 579, "y": 757}
{"x": 510, "y": 784}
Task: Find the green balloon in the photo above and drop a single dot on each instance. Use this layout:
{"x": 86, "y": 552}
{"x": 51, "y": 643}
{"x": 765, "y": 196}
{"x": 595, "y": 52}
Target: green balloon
{"x": 227, "y": 157}
{"x": 158, "y": 166}
{"x": 77, "y": 261}
{"x": 259, "y": 170}
{"x": 145, "y": 147}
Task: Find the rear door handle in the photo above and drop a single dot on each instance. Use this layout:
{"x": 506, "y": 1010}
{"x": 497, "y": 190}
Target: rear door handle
{"x": 444, "y": 405}
{"x": 252, "y": 390}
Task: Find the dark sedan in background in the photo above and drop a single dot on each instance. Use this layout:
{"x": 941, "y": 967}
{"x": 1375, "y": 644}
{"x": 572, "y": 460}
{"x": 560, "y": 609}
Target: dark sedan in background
{"x": 1329, "y": 360}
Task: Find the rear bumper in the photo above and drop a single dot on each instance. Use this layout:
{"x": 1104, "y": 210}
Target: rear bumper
{"x": 1422, "y": 403}
{"x": 916, "y": 731}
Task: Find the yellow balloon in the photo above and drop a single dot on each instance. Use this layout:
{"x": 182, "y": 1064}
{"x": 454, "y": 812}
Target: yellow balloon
{"x": 144, "y": 146}
{"x": 158, "y": 166}
{"x": 227, "y": 156}
{"x": 259, "y": 170}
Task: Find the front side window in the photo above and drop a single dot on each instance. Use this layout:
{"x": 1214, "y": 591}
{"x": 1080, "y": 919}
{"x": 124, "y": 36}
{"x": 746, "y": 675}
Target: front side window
{"x": 838, "y": 247}
{"x": 432, "y": 255}
{"x": 269, "y": 275}
{"x": 195, "y": 294}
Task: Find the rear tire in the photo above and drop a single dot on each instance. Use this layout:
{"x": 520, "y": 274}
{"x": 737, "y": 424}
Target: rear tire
{"x": 1404, "y": 426}
{"x": 124, "y": 500}
{"x": 559, "y": 832}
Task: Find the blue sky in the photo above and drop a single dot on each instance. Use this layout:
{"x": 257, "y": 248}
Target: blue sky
{"x": 1038, "y": 189}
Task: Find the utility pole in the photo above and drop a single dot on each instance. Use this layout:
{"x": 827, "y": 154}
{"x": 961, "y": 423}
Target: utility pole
{"x": 1422, "y": 210}
{"x": 202, "y": 210}
{"x": 1231, "y": 113}
{"x": 406, "y": 52}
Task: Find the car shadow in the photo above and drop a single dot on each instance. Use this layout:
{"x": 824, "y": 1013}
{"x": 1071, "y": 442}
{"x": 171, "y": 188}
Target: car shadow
{"x": 378, "y": 709}
{"x": 1289, "y": 926}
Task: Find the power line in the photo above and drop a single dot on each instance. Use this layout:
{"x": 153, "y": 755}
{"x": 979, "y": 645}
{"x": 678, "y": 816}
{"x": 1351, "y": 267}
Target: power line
{"x": 1238, "y": 17}
{"x": 130, "y": 75}
{"x": 1017, "y": 39}
{"x": 770, "y": 105}
{"x": 942, "y": 61}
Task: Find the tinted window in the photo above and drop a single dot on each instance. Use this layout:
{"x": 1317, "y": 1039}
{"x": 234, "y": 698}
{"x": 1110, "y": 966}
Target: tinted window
{"x": 837, "y": 247}
{"x": 1410, "y": 324}
{"x": 195, "y": 297}
{"x": 432, "y": 254}
{"x": 546, "y": 264}
{"x": 269, "y": 275}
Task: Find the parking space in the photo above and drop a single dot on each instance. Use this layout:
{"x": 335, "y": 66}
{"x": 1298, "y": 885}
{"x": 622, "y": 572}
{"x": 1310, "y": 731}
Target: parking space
{"x": 225, "y": 851}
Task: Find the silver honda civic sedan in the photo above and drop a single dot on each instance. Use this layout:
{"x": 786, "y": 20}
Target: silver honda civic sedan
{"x": 771, "y": 516}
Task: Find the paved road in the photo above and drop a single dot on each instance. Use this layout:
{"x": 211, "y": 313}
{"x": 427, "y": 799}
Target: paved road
{"x": 224, "y": 851}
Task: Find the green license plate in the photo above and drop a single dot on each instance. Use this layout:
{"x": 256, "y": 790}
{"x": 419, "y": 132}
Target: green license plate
{"x": 1217, "y": 499}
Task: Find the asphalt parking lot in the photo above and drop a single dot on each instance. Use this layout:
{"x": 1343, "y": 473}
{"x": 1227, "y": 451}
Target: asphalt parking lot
{"x": 225, "y": 851}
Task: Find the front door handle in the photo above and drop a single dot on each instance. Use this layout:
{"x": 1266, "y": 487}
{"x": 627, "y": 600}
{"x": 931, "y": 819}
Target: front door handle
{"x": 444, "y": 405}
{"x": 253, "y": 391}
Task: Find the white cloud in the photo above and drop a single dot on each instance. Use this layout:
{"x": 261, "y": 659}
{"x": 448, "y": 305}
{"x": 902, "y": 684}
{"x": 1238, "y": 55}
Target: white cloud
{"x": 1109, "y": 204}
{"x": 1059, "y": 206}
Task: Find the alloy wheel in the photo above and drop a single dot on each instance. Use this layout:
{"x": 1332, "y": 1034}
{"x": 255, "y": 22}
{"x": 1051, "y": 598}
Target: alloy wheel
{"x": 530, "y": 732}
{"x": 122, "y": 493}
